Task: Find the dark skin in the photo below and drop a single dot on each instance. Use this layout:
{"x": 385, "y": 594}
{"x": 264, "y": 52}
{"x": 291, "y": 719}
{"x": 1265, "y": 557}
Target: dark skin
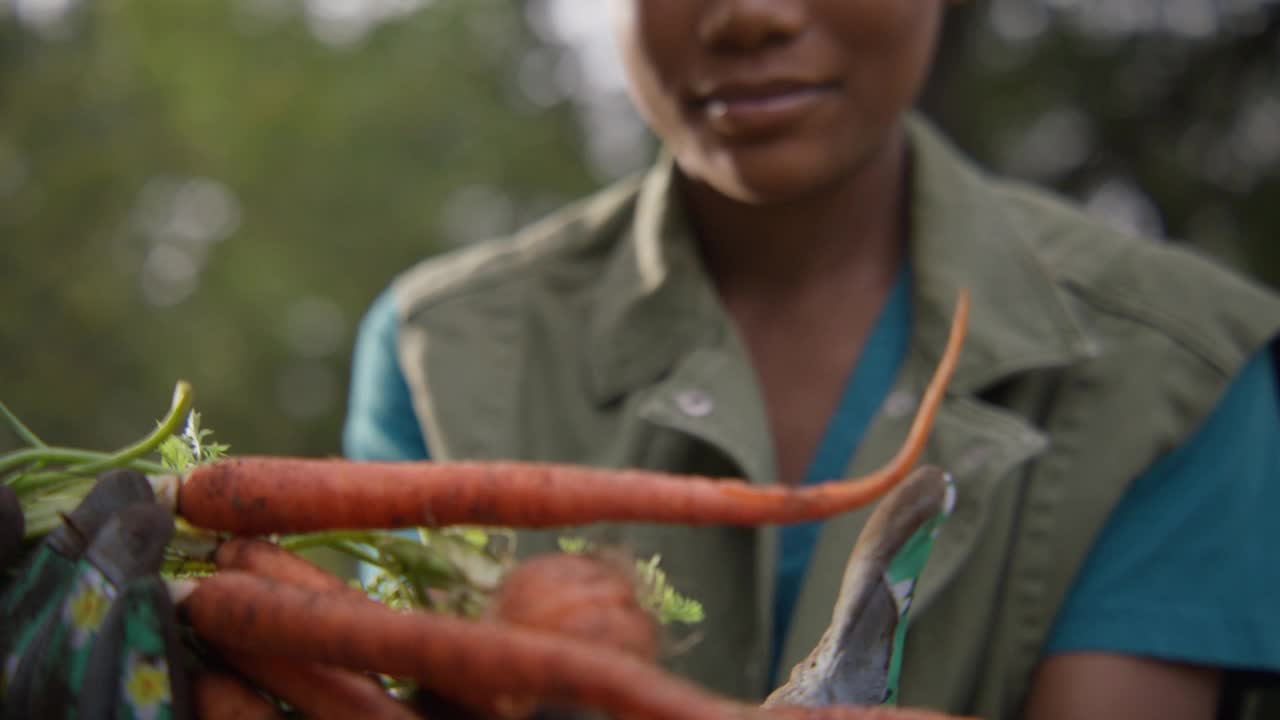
{"x": 785, "y": 118}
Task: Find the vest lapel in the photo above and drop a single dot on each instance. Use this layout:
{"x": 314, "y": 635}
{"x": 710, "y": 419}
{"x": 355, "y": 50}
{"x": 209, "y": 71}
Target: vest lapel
{"x": 710, "y": 397}
{"x": 963, "y": 236}
{"x": 989, "y": 442}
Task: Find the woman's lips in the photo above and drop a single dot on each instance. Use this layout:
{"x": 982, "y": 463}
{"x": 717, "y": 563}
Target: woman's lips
{"x": 752, "y": 113}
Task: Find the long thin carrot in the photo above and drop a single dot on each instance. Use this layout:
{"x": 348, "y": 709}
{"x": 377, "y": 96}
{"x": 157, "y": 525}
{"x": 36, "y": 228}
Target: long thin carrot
{"x": 447, "y": 654}
{"x": 221, "y": 696}
{"x": 260, "y": 495}
{"x": 320, "y": 692}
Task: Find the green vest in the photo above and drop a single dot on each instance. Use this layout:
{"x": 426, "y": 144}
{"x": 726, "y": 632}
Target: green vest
{"x": 595, "y": 337}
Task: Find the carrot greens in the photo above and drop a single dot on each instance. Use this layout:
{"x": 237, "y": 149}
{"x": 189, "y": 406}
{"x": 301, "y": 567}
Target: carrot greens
{"x": 656, "y": 593}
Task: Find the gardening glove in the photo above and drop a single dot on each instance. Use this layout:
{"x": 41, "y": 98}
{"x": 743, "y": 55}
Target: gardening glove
{"x": 12, "y": 527}
{"x": 45, "y": 574}
{"x": 858, "y": 658}
{"x": 90, "y": 631}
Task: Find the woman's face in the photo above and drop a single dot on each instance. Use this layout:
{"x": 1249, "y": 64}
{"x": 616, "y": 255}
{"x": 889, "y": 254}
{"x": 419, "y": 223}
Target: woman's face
{"x": 767, "y": 100}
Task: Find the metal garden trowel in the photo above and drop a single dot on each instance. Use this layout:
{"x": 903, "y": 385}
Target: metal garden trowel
{"x": 856, "y": 662}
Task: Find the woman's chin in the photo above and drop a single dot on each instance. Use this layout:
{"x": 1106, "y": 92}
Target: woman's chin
{"x": 773, "y": 183}
{"x": 769, "y": 174}
{"x": 796, "y": 163}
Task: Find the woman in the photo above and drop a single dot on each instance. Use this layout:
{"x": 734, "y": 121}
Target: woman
{"x": 767, "y": 303}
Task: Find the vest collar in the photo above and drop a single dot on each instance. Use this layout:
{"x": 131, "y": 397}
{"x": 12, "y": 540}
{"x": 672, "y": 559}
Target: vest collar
{"x": 655, "y": 304}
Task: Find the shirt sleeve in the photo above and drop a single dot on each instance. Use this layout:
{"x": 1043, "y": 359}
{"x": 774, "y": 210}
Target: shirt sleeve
{"x": 1185, "y": 569}
{"x": 380, "y": 422}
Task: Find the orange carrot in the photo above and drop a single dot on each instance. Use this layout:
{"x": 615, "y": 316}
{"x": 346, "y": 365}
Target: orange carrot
{"x": 591, "y": 598}
{"x": 219, "y": 696}
{"x": 446, "y": 654}
{"x": 251, "y": 496}
{"x": 443, "y": 653}
{"x": 320, "y": 692}
{"x": 270, "y": 560}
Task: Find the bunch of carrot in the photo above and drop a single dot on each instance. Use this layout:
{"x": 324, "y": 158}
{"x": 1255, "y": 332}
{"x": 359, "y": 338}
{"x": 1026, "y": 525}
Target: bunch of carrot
{"x": 503, "y": 668}
{"x": 261, "y": 495}
{"x": 306, "y": 638}
{"x": 317, "y": 690}
{"x": 301, "y": 634}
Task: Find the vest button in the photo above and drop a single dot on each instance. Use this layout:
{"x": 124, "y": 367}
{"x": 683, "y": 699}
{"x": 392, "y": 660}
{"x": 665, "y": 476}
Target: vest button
{"x": 899, "y": 404}
{"x": 695, "y": 403}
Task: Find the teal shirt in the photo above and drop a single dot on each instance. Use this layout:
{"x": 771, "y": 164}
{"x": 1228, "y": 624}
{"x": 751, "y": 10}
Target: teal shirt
{"x": 864, "y": 393}
{"x": 1186, "y": 567}
{"x": 380, "y": 423}
{"x": 1182, "y": 571}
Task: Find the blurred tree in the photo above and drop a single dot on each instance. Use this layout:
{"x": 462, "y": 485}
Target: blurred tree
{"x": 1164, "y": 116}
{"x": 215, "y": 189}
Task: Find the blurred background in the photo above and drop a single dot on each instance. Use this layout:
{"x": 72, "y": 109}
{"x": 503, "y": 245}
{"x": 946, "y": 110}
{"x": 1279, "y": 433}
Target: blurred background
{"x": 215, "y": 189}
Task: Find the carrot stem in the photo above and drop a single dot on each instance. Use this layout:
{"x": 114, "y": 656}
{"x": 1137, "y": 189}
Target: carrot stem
{"x": 81, "y": 464}
{"x": 20, "y": 428}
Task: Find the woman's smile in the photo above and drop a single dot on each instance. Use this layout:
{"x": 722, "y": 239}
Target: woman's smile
{"x": 762, "y": 109}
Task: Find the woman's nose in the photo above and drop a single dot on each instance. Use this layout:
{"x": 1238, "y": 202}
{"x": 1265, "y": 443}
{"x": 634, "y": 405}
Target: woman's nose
{"x": 748, "y": 25}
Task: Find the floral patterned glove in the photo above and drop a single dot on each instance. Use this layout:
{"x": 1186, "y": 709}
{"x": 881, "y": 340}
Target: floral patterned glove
{"x": 89, "y": 630}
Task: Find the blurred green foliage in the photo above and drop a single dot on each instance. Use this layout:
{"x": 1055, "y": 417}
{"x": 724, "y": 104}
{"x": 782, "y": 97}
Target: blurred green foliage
{"x": 1163, "y": 115}
{"x": 187, "y": 190}
{"x": 215, "y": 189}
